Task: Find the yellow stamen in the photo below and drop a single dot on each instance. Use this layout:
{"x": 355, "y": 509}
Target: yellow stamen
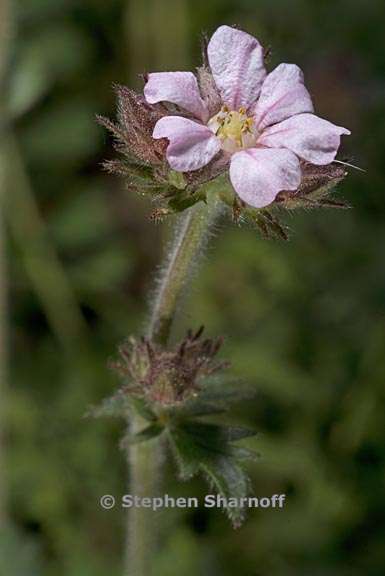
{"x": 234, "y": 128}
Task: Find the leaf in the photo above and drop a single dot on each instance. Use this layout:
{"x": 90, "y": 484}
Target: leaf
{"x": 148, "y": 433}
{"x": 216, "y": 435}
{"x": 215, "y": 396}
{"x": 196, "y": 407}
{"x": 223, "y": 392}
{"x": 142, "y": 407}
{"x": 181, "y": 202}
{"x": 188, "y": 456}
{"x": 115, "y": 406}
{"x": 239, "y": 433}
{"x": 120, "y": 405}
{"x": 177, "y": 180}
{"x": 231, "y": 482}
{"x": 241, "y": 453}
{"x": 205, "y": 447}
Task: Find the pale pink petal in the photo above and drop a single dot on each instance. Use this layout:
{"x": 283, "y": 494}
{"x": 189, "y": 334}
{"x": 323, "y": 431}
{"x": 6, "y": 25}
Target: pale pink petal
{"x": 311, "y": 138}
{"x": 283, "y": 94}
{"x": 192, "y": 145}
{"x": 180, "y": 88}
{"x": 236, "y": 61}
{"x": 258, "y": 174}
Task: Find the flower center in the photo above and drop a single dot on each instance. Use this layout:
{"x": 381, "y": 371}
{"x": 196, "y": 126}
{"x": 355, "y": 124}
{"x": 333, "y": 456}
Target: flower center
{"x": 233, "y": 128}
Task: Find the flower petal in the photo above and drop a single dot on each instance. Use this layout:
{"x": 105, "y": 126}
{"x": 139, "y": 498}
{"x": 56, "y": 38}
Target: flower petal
{"x": 192, "y": 145}
{"x": 180, "y": 88}
{"x": 310, "y": 137}
{"x": 283, "y": 94}
{"x": 236, "y": 61}
{"x": 258, "y": 174}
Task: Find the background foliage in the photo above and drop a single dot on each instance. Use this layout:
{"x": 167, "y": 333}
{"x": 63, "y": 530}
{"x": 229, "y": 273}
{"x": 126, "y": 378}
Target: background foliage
{"x": 304, "y": 320}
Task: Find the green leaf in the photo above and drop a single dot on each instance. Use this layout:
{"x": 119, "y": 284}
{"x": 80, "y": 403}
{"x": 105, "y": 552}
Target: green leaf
{"x": 181, "y": 201}
{"x": 194, "y": 408}
{"x": 141, "y": 406}
{"x": 148, "y": 433}
{"x": 223, "y": 392}
{"x": 177, "y": 179}
{"x": 231, "y": 482}
{"x": 240, "y": 453}
{"x": 121, "y": 405}
{"x": 187, "y": 454}
{"x": 115, "y": 406}
{"x": 239, "y": 432}
{"x": 216, "y": 437}
{"x": 205, "y": 447}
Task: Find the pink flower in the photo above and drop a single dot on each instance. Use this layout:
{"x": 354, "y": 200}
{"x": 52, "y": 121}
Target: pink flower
{"x": 265, "y": 126}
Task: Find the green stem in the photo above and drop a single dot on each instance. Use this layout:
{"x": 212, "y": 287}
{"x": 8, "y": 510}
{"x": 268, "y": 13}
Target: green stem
{"x": 145, "y": 460}
{"x": 189, "y": 241}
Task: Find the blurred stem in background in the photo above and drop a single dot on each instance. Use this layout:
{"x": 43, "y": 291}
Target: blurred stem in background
{"x": 5, "y": 34}
{"x": 150, "y": 45}
{"x": 48, "y": 279}
{"x": 39, "y": 257}
{"x": 3, "y": 345}
{"x": 152, "y": 40}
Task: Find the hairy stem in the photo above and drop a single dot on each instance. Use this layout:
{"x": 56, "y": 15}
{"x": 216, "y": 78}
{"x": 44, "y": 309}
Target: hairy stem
{"x": 189, "y": 241}
{"x": 145, "y": 460}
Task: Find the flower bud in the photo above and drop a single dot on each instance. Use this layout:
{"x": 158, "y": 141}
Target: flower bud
{"x": 167, "y": 376}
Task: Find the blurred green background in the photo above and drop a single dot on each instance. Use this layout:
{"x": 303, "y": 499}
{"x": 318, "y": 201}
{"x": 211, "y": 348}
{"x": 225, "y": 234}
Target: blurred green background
{"x": 304, "y": 320}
